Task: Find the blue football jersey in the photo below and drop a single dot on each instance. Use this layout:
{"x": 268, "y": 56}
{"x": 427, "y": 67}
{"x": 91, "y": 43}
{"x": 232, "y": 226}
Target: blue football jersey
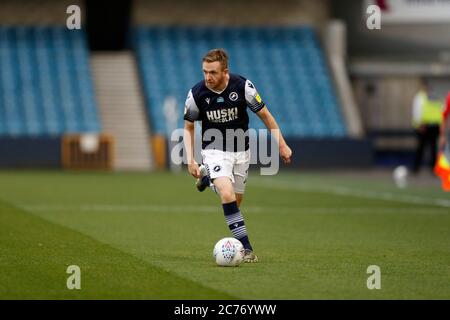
{"x": 224, "y": 112}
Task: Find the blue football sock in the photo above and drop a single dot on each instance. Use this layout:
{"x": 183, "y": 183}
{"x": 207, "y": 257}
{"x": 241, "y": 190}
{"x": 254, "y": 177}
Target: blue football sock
{"x": 235, "y": 222}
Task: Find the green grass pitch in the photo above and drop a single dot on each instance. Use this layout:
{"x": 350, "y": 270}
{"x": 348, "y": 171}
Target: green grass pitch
{"x": 151, "y": 236}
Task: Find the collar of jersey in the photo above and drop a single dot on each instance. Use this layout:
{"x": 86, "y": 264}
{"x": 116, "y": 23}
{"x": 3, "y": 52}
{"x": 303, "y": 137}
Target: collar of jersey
{"x": 219, "y": 92}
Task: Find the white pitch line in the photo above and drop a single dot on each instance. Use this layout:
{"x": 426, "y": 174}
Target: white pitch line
{"x": 350, "y": 192}
{"x": 128, "y": 208}
{"x": 214, "y": 209}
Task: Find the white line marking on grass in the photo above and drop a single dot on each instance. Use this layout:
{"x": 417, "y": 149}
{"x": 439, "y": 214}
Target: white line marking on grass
{"x": 349, "y": 192}
{"x": 357, "y": 210}
{"x": 215, "y": 209}
{"x": 129, "y": 208}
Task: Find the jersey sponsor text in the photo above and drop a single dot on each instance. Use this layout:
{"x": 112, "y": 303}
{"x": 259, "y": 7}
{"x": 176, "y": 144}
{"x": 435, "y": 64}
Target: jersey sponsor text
{"x": 222, "y": 115}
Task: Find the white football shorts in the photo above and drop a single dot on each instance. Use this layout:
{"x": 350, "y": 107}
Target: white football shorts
{"x": 228, "y": 164}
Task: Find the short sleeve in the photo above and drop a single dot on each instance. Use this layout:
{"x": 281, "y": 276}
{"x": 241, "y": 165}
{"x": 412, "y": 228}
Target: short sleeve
{"x": 191, "y": 111}
{"x": 252, "y": 97}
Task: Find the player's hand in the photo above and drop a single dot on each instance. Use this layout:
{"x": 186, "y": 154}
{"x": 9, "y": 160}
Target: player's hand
{"x": 286, "y": 154}
{"x": 194, "y": 170}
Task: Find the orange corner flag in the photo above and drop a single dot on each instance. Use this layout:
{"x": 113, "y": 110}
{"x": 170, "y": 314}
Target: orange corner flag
{"x": 442, "y": 170}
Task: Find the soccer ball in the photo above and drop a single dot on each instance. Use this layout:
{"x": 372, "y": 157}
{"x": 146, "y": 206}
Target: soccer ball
{"x": 400, "y": 176}
{"x": 228, "y": 252}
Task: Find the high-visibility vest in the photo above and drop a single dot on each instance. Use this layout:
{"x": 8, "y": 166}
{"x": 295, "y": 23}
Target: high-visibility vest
{"x": 431, "y": 111}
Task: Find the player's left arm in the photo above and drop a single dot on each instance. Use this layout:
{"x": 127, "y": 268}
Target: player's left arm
{"x": 271, "y": 124}
{"x": 256, "y": 104}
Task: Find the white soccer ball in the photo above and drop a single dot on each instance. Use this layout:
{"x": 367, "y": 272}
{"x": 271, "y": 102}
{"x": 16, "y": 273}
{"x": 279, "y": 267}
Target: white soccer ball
{"x": 228, "y": 252}
{"x": 400, "y": 176}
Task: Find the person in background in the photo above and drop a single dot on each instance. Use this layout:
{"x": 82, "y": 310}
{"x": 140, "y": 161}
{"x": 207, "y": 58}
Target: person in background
{"x": 427, "y": 119}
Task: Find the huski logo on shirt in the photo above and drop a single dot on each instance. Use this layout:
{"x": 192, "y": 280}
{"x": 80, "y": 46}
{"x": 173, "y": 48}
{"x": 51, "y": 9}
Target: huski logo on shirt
{"x": 222, "y": 115}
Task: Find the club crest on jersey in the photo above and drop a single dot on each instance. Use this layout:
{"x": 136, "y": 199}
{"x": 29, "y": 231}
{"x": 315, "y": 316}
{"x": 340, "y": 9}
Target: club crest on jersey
{"x": 222, "y": 115}
{"x": 233, "y": 96}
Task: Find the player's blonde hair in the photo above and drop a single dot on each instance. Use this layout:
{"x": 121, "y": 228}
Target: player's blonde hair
{"x": 217, "y": 55}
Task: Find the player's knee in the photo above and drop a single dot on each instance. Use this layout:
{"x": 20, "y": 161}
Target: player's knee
{"x": 227, "y": 195}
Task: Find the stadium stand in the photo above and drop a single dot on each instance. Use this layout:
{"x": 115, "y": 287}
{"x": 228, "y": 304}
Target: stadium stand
{"x": 45, "y": 82}
{"x": 286, "y": 64}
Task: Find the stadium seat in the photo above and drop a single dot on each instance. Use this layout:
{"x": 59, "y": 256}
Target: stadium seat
{"x": 45, "y": 82}
{"x": 286, "y": 64}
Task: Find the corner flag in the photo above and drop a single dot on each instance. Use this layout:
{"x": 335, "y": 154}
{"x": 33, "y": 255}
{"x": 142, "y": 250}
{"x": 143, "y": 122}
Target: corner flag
{"x": 442, "y": 170}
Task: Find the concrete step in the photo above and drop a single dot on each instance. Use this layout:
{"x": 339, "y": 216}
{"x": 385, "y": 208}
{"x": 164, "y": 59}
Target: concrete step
{"x": 122, "y": 108}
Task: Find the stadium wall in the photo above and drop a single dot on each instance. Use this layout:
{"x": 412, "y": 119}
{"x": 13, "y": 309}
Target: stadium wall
{"x": 231, "y": 12}
{"x": 30, "y": 152}
{"x": 329, "y": 153}
{"x": 311, "y": 153}
{"x": 31, "y": 12}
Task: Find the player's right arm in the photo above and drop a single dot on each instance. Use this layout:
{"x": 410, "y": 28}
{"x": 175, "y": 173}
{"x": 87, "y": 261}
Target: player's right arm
{"x": 191, "y": 113}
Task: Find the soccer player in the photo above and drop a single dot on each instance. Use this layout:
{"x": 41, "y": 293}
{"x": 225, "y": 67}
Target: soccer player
{"x": 220, "y": 102}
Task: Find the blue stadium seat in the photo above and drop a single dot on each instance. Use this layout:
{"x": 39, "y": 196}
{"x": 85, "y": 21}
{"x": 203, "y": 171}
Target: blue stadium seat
{"x": 45, "y": 83}
{"x": 286, "y": 64}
